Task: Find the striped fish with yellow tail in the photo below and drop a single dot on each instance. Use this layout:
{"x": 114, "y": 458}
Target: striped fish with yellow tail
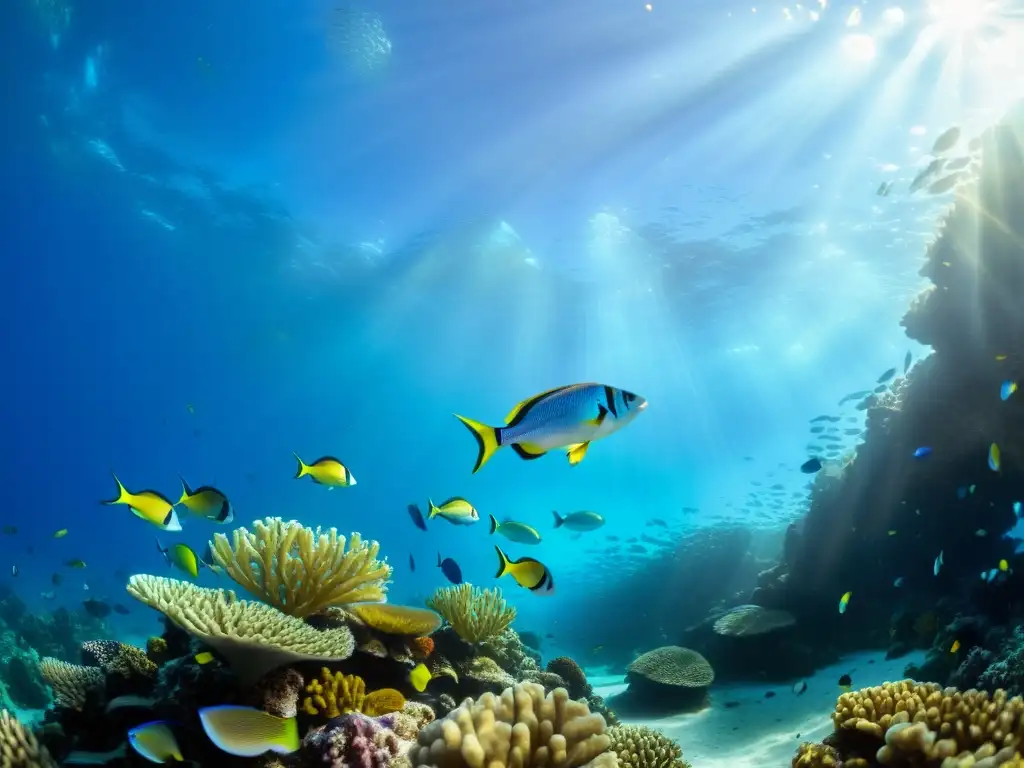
{"x": 569, "y": 417}
{"x": 151, "y": 506}
{"x": 326, "y": 470}
{"x": 529, "y": 573}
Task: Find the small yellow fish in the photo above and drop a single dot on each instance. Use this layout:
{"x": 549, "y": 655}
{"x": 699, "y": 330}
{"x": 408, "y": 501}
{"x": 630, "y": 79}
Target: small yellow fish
{"x": 955, "y": 647}
{"x": 190, "y": 407}
{"x": 994, "y": 460}
{"x": 79, "y": 564}
{"x": 60, "y": 534}
{"x": 181, "y": 556}
{"x": 1004, "y": 566}
{"x": 844, "y": 601}
{"x": 326, "y": 470}
{"x": 151, "y": 506}
{"x": 1000, "y": 358}
{"x": 204, "y": 657}
{"x": 892, "y": 533}
{"x": 527, "y": 572}
{"x": 155, "y": 741}
{"x": 455, "y": 510}
{"x": 249, "y": 732}
{"x": 419, "y": 677}
{"x": 206, "y": 502}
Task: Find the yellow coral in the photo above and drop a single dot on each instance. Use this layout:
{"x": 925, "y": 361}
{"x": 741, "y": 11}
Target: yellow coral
{"x": 19, "y": 748}
{"x": 302, "y": 571}
{"x": 394, "y": 619}
{"x": 254, "y": 638}
{"x": 810, "y": 755}
{"x": 475, "y": 614}
{"x": 337, "y": 694}
{"x": 71, "y": 683}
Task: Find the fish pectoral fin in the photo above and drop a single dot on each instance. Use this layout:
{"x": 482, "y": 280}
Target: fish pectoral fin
{"x": 602, "y": 414}
{"x": 577, "y": 452}
{"x": 528, "y": 451}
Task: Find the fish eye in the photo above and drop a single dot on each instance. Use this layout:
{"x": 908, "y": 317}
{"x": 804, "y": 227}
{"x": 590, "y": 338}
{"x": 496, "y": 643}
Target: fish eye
{"x": 630, "y": 397}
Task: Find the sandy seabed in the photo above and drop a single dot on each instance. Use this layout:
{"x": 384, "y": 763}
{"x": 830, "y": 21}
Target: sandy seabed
{"x": 764, "y": 732}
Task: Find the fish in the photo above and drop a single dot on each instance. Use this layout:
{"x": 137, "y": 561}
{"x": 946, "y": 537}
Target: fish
{"x": 961, "y": 492}
{"x": 980, "y": 533}
{"x": 419, "y": 677}
{"x": 249, "y": 732}
{"x": 923, "y": 452}
{"x": 886, "y": 376}
{"x": 800, "y": 687}
{"x": 203, "y": 657}
{"x": 884, "y": 188}
{"x": 937, "y": 566}
{"x": 568, "y": 417}
{"x": 898, "y": 582}
{"x": 417, "y": 517}
{"x": 955, "y": 647}
{"x": 56, "y": 579}
{"x": 528, "y": 573}
{"x": 206, "y": 502}
{"x": 450, "y": 569}
{"x": 1007, "y": 389}
{"x": 326, "y": 470}
{"x": 930, "y": 172}
{"x": 892, "y": 532}
{"x": 844, "y": 601}
{"x": 455, "y": 510}
{"x": 817, "y": 430}
{"x": 120, "y": 609}
{"x": 521, "y": 533}
{"x": 811, "y": 466}
{"x": 994, "y": 458}
{"x": 906, "y": 362}
{"x": 1004, "y": 566}
{"x": 151, "y": 506}
{"x": 60, "y": 534}
{"x": 181, "y": 556}
{"x": 846, "y": 682}
{"x": 412, "y": 563}
{"x": 10, "y": 530}
{"x": 579, "y": 521}
{"x": 1016, "y": 508}
{"x": 855, "y": 396}
{"x": 14, "y": 571}
{"x": 880, "y": 389}
{"x": 970, "y": 488}
{"x": 82, "y": 757}
{"x": 77, "y": 564}
{"x": 946, "y": 140}
{"x": 944, "y": 184}
{"x": 96, "y": 608}
{"x": 155, "y": 741}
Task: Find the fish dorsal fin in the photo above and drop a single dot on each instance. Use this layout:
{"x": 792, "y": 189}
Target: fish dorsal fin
{"x": 522, "y": 408}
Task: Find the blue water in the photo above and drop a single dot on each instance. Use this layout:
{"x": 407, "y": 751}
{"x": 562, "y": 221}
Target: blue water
{"x": 229, "y": 234}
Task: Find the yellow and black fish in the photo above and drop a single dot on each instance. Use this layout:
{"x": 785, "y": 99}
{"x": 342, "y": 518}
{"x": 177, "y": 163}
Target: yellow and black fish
{"x": 207, "y": 502}
{"x": 529, "y": 573}
{"x": 181, "y": 556}
{"x": 455, "y": 510}
{"x": 151, "y": 506}
{"x": 326, "y": 470}
{"x": 570, "y": 417}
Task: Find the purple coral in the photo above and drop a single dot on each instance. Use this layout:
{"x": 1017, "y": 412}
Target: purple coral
{"x": 353, "y": 741}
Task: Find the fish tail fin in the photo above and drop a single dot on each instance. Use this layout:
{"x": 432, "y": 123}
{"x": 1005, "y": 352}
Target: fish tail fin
{"x": 185, "y": 490}
{"x": 122, "y": 493}
{"x": 488, "y": 440}
{"x": 162, "y": 550}
{"x": 288, "y": 741}
{"x": 494, "y": 523}
{"x": 303, "y": 468}
{"x": 559, "y": 520}
{"x": 503, "y": 563}
{"x": 438, "y": 559}
{"x": 432, "y": 510}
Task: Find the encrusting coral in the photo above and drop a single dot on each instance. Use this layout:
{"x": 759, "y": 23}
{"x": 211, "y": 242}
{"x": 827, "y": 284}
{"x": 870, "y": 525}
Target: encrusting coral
{"x": 254, "y": 638}
{"x": 71, "y": 683}
{"x": 19, "y": 748}
{"x": 810, "y": 755}
{"x": 394, "y": 619}
{"x": 475, "y": 614}
{"x": 337, "y": 694}
{"x": 302, "y": 571}
{"x": 118, "y": 658}
{"x": 641, "y": 747}
{"x": 521, "y": 727}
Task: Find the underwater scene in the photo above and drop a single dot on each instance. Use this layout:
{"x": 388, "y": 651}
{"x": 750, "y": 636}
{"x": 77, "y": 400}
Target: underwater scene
{"x": 609, "y": 384}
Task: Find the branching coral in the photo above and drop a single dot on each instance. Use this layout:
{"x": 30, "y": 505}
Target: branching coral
{"x": 336, "y": 694}
{"x": 521, "y": 728}
{"x": 475, "y": 614}
{"x": 254, "y": 638}
{"x": 643, "y": 747}
{"x": 302, "y": 571}
{"x": 19, "y": 748}
{"x": 71, "y": 683}
{"x": 118, "y": 658}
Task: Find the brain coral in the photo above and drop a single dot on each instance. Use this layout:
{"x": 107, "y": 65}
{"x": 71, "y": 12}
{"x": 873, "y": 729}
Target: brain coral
{"x": 747, "y": 620}
{"x": 673, "y": 665}
{"x": 520, "y": 728}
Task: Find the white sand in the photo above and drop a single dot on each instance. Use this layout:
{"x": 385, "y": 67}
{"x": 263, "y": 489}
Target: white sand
{"x": 760, "y": 732}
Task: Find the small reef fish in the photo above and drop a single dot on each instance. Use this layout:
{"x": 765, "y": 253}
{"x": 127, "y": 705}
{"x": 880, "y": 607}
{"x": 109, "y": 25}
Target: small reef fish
{"x": 579, "y": 521}
{"x": 14, "y": 570}
{"x": 944, "y": 184}
{"x": 81, "y": 757}
{"x": 923, "y": 452}
{"x": 203, "y": 657}
{"x": 946, "y": 140}
{"x": 455, "y": 510}
{"x": 886, "y": 376}
{"x": 120, "y": 609}
{"x": 417, "y": 517}
{"x": 924, "y": 177}
{"x": 527, "y": 572}
{"x": 419, "y": 677}
{"x": 955, "y": 646}
{"x": 56, "y": 579}
{"x": 884, "y": 188}
{"x": 800, "y": 687}
{"x": 78, "y": 564}
{"x": 898, "y": 582}
{"x": 181, "y": 556}
{"x": 151, "y": 506}
{"x": 412, "y": 563}
{"x": 96, "y": 608}
{"x": 155, "y": 741}
{"x": 908, "y": 358}
{"x": 844, "y": 601}
{"x": 939, "y": 562}
{"x": 60, "y": 534}
{"x": 569, "y": 417}
{"x": 855, "y": 396}
{"x": 981, "y": 532}
{"x": 811, "y": 466}
{"x": 961, "y": 492}
{"x": 846, "y": 682}
{"x": 994, "y": 458}
{"x": 206, "y": 502}
{"x": 1007, "y": 389}
{"x": 521, "y": 533}
{"x": 880, "y": 389}
{"x": 450, "y": 569}
{"x": 1016, "y": 508}
{"x": 248, "y": 732}
{"x": 326, "y": 470}
{"x": 10, "y": 530}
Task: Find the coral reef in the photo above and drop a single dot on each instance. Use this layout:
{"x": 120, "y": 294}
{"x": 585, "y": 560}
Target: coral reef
{"x": 19, "y": 748}
{"x": 643, "y": 747}
{"x": 670, "y": 678}
{"x": 301, "y": 571}
{"x": 352, "y": 741}
{"x": 475, "y": 614}
{"x": 337, "y": 694}
{"x": 72, "y": 684}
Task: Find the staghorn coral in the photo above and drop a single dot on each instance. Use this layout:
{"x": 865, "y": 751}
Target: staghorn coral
{"x": 748, "y": 620}
{"x": 475, "y": 614}
{"x": 301, "y": 571}
{"x": 394, "y": 619}
{"x": 117, "y": 658}
{"x": 19, "y": 748}
{"x": 520, "y": 728}
{"x": 643, "y": 747}
{"x": 71, "y": 683}
{"x": 336, "y": 694}
{"x": 254, "y": 638}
